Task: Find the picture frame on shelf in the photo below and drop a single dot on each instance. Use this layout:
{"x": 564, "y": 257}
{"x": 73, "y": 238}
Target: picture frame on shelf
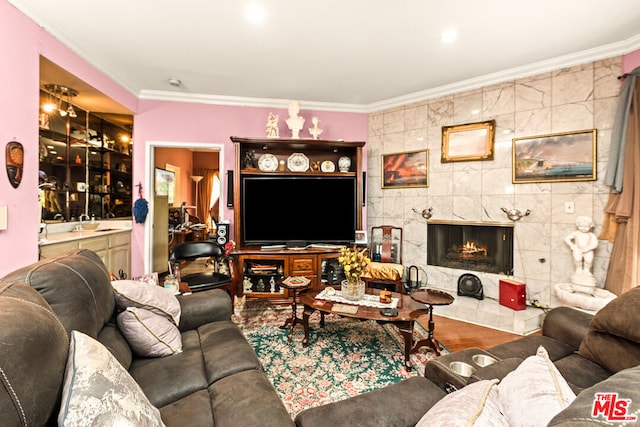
{"x": 468, "y": 142}
{"x": 406, "y": 169}
{"x": 361, "y": 237}
{"x": 557, "y": 157}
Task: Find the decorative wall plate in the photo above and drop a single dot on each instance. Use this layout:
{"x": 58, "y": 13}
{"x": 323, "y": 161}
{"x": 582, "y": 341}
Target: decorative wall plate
{"x": 328, "y": 166}
{"x": 298, "y": 162}
{"x": 268, "y": 163}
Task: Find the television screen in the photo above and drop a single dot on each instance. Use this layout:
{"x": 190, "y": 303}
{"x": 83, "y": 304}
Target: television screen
{"x": 312, "y": 209}
{"x": 165, "y": 182}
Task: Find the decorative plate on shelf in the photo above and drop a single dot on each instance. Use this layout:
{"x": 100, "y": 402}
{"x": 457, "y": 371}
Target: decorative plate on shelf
{"x": 298, "y": 162}
{"x": 328, "y": 166}
{"x": 268, "y": 163}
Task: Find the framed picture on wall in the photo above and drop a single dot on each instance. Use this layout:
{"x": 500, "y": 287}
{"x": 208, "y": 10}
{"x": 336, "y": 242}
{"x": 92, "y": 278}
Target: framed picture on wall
{"x": 406, "y": 169}
{"x": 568, "y": 156}
{"x": 472, "y": 141}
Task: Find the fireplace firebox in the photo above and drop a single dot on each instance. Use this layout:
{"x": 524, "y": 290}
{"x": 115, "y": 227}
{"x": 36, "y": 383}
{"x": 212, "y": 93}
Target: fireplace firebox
{"x": 478, "y": 246}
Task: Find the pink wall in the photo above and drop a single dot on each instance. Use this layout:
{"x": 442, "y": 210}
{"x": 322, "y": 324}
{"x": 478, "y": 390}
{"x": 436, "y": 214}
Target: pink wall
{"x": 630, "y": 61}
{"x": 194, "y": 124}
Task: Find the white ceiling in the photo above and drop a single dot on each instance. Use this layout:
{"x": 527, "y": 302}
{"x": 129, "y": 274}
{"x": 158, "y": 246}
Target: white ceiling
{"x": 345, "y": 55}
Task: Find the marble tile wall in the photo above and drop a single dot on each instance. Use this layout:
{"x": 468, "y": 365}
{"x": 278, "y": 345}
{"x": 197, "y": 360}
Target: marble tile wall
{"x": 576, "y": 98}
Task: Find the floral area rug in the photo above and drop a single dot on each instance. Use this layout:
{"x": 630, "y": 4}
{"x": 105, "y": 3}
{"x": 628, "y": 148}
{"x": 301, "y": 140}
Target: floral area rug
{"x": 345, "y": 358}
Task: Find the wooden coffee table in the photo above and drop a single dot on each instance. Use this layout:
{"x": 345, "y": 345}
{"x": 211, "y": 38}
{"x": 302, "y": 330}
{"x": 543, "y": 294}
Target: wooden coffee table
{"x": 408, "y": 311}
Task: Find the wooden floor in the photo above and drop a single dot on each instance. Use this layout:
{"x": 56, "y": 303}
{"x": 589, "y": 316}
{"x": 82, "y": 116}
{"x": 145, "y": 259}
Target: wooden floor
{"x": 457, "y": 335}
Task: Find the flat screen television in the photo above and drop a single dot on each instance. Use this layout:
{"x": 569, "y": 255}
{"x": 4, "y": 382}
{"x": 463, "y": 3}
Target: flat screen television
{"x": 165, "y": 182}
{"x": 315, "y": 209}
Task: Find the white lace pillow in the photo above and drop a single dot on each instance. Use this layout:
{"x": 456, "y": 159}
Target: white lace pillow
{"x": 149, "y": 334}
{"x": 133, "y": 293}
{"x": 474, "y": 405}
{"x": 535, "y": 392}
{"x": 99, "y": 391}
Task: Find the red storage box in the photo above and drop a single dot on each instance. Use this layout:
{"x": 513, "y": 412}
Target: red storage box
{"x": 513, "y": 294}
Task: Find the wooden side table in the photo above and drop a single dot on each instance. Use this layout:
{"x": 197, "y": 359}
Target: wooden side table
{"x": 430, "y": 297}
{"x": 295, "y": 284}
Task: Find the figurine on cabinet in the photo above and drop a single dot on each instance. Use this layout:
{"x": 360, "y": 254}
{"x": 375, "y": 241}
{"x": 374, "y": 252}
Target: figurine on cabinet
{"x": 260, "y": 285}
{"x": 272, "y": 126}
{"x": 315, "y": 131}
{"x": 246, "y": 285}
{"x": 250, "y": 160}
{"x": 295, "y": 122}
{"x": 272, "y": 282}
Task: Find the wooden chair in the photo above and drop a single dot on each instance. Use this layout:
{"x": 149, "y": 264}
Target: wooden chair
{"x": 386, "y": 248}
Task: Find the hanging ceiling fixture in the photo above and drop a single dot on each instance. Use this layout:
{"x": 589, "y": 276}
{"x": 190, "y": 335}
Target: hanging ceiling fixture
{"x": 62, "y": 94}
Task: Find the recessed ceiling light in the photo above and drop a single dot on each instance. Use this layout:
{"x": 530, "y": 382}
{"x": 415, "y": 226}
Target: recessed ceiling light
{"x": 175, "y": 82}
{"x": 449, "y": 35}
{"x": 255, "y": 13}
{"x": 476, "y": 111}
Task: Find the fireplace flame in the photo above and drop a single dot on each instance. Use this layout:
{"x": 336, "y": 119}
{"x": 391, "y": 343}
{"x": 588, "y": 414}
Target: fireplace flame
{"x": 470, "y": 248}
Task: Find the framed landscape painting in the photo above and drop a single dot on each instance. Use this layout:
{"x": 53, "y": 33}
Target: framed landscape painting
{"x": 568, "y": 156}
{"x": 473, "y": 141}
{"x": 407, "y": 169}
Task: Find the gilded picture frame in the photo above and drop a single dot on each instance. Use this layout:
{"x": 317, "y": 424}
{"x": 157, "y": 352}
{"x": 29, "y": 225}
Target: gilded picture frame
{"x": 468, "y": 142}
{"x": 406, "y": 169}
{"x": 558, "y": 157}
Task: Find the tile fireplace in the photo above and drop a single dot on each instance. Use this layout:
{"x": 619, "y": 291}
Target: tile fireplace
{"x": 476, "y": 246}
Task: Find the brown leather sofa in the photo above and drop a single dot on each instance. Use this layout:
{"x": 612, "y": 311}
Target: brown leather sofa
{"x": 216, "y": 380}
{"x": 594, "y": 354}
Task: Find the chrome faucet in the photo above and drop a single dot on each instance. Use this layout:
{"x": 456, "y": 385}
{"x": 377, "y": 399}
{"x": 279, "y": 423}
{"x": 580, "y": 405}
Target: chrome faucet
{"x": 58, "y": 216}
{"x": 83, "y": 217}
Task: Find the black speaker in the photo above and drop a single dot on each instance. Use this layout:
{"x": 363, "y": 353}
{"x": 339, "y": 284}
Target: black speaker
{"x": 364, "y": 188}
{"x": 230, "y": 189}
{"x": 222, "y": 234}
{"x": 469, "y": 285}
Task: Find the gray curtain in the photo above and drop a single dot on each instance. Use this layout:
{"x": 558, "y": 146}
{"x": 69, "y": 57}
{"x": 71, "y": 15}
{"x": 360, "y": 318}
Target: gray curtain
{"x": 622, "y": 212}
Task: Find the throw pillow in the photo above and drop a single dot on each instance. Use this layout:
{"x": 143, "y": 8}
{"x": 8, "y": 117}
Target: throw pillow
{"x": 385, "y": 271}
{"x": 149, "y": 334}
{"x": 99, "y": 391}
{"x": 476, "y": 404}
{"x": 133, "y": 293}
{"x": 535, "y": 392}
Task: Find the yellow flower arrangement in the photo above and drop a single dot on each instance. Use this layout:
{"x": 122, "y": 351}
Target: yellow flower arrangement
{"x": 353, "y": 262}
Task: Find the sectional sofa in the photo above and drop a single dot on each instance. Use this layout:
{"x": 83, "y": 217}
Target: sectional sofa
{"x": 65, "y": 357}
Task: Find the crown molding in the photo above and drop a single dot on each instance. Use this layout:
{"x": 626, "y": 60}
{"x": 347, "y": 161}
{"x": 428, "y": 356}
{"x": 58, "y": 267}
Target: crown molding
{"x": 582, "y": 57}
{"x": 239, "y": 101}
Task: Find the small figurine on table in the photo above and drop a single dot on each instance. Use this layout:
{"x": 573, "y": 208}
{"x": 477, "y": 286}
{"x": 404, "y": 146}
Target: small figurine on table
{"x": 272, "y": 126}
{"x": 315, "y": 131}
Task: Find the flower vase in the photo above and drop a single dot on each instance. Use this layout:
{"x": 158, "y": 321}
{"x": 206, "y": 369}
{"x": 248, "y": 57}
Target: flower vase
{"x": 353, "y": 290}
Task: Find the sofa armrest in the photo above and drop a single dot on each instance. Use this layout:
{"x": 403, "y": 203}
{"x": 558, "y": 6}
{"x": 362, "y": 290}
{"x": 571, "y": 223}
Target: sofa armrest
{"x": 204, "y": 307}
{"x": 580, "y": 412}
{"x": 567, "y": 325}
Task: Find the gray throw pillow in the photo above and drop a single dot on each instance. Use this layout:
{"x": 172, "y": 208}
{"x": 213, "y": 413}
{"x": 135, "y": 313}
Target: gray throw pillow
{"x": 99, "y": 391}
{"x": 149, "y": 334}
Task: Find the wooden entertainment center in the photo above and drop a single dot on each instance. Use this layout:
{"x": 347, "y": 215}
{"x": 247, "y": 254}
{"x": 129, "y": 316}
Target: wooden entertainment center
{"x": 258, "y": 270}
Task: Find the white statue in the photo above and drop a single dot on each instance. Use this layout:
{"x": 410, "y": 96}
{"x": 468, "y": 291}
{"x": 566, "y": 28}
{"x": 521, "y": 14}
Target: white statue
{"x": 272, "y": 126}
{"x": 295, "y": 123}
{"x": 315, "y": 131}
{"x": 583, "y": 243}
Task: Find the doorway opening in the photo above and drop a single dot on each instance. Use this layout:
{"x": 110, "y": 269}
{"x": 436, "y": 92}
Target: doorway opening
{"x": 156, "y": 234}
